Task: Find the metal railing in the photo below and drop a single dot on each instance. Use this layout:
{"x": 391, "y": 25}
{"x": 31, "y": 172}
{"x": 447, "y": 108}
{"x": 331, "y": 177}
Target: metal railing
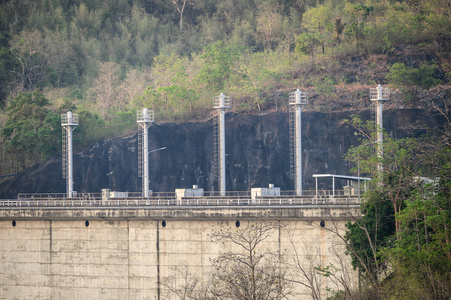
{"x": 232, "y": 199}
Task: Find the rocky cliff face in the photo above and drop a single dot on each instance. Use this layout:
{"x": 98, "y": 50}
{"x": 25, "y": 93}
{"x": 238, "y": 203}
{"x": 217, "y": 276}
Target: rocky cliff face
{"x": 257, "y": 151}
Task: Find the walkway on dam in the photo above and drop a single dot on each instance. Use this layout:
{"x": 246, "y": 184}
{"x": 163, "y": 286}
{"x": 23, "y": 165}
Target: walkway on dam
{"x": 231, "y": 199}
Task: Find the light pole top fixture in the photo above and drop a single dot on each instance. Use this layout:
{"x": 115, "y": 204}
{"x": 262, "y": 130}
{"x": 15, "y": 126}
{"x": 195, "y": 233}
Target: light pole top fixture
{"x": 222, "y": 102}
{"x": 145, "y": 116}
{"x": 379, "y": 93}
{"x": 69, "y": 119}
{"x": 298, "y": 98}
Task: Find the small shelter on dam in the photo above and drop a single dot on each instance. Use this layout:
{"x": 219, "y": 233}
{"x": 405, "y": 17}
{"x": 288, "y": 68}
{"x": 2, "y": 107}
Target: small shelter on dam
{"x": 352, "y": 188}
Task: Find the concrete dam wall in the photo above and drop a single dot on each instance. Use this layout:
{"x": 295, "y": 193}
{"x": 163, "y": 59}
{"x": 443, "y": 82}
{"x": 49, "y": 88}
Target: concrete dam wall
{"x": 128, "y": 253}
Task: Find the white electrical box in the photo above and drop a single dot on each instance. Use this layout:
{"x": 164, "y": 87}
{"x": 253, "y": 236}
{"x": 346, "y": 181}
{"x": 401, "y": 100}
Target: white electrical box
{"x": 265, "y": 192}
{"x": 118, "y": 194}
{"x": 184, "y": 193}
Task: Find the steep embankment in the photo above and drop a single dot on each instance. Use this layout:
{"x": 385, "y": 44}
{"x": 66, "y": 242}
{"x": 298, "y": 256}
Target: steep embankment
{"x": 257, "y": 151}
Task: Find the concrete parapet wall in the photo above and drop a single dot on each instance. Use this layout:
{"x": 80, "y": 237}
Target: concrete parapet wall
{"x": 291, "y": 212}
{"x": 107, "y": 253}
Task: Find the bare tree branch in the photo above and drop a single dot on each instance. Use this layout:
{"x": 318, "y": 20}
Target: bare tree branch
{"x": 248, "y": 274}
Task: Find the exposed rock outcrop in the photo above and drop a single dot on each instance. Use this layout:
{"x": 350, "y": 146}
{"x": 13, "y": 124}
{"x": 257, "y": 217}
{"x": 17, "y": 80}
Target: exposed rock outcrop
{"x": 257, "y": 151}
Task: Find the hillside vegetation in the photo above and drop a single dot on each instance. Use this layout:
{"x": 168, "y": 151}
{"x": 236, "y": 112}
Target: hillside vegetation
{"x": 105, "y": 59}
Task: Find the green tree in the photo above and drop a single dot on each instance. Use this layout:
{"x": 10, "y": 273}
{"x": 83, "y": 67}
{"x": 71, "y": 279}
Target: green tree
{"x": 390, "y": 189}
{"x": 122, "y": 123}
{"x": 289, "y": 31}
{"x": 318, "y": 20}
{"x": 176, "y": 96}
{"x": 253, "y": 77}
{"x": 184, "y": 92}
{"x": 90, "y": 129}
{"x": 306, "y": 44}
{"x": 32, "y": 130}
{"x": 218, "y": 67}
{"x": 397, "y": 161}
{"x": 165, "y": 71}
{"x": 421, "y": 257}
{"x": 150, "y": 98}
{"x": 325, "y": 86}
{"x": 366, "y": 237}
{"x": 412, "y": 80}
{"x": 403, "y": 235}
{"x": 437, "y": 16}
{"x": 144, "y": 30}
{"x": 356, "y": 15}
{"x": 402, "y": 23}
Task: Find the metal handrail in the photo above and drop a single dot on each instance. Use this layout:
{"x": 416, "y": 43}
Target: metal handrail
{"x": 232, "y": 199}
{"x": 160, "y": 195}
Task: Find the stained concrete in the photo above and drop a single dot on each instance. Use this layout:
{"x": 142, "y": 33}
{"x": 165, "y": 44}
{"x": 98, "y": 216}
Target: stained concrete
{"x": 109, "y": 253}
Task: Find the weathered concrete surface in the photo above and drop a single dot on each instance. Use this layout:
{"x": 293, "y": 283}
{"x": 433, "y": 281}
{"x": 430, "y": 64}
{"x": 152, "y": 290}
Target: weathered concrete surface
{"x": 304, "y": 212}
{"x": 128, "y": 253}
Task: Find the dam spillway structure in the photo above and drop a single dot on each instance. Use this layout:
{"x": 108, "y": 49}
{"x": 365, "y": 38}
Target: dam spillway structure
{"x": 222, "y": 103}
{"x": 145, "y": 118}
{"x": 296, "y": 100}
{"x": 379, "y": 95}
{"x": 126, "y": 246}
{"x": 69, "y": 121}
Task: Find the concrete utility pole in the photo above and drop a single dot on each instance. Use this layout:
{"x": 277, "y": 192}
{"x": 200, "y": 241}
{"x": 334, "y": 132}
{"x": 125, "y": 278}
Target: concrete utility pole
{"x": 145, "y": 118}
{"x": 379, "y": 95}
{"x": 222, "y": 103}
{"x": 69, "y": 121}
{"x": 297, "y": 99}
